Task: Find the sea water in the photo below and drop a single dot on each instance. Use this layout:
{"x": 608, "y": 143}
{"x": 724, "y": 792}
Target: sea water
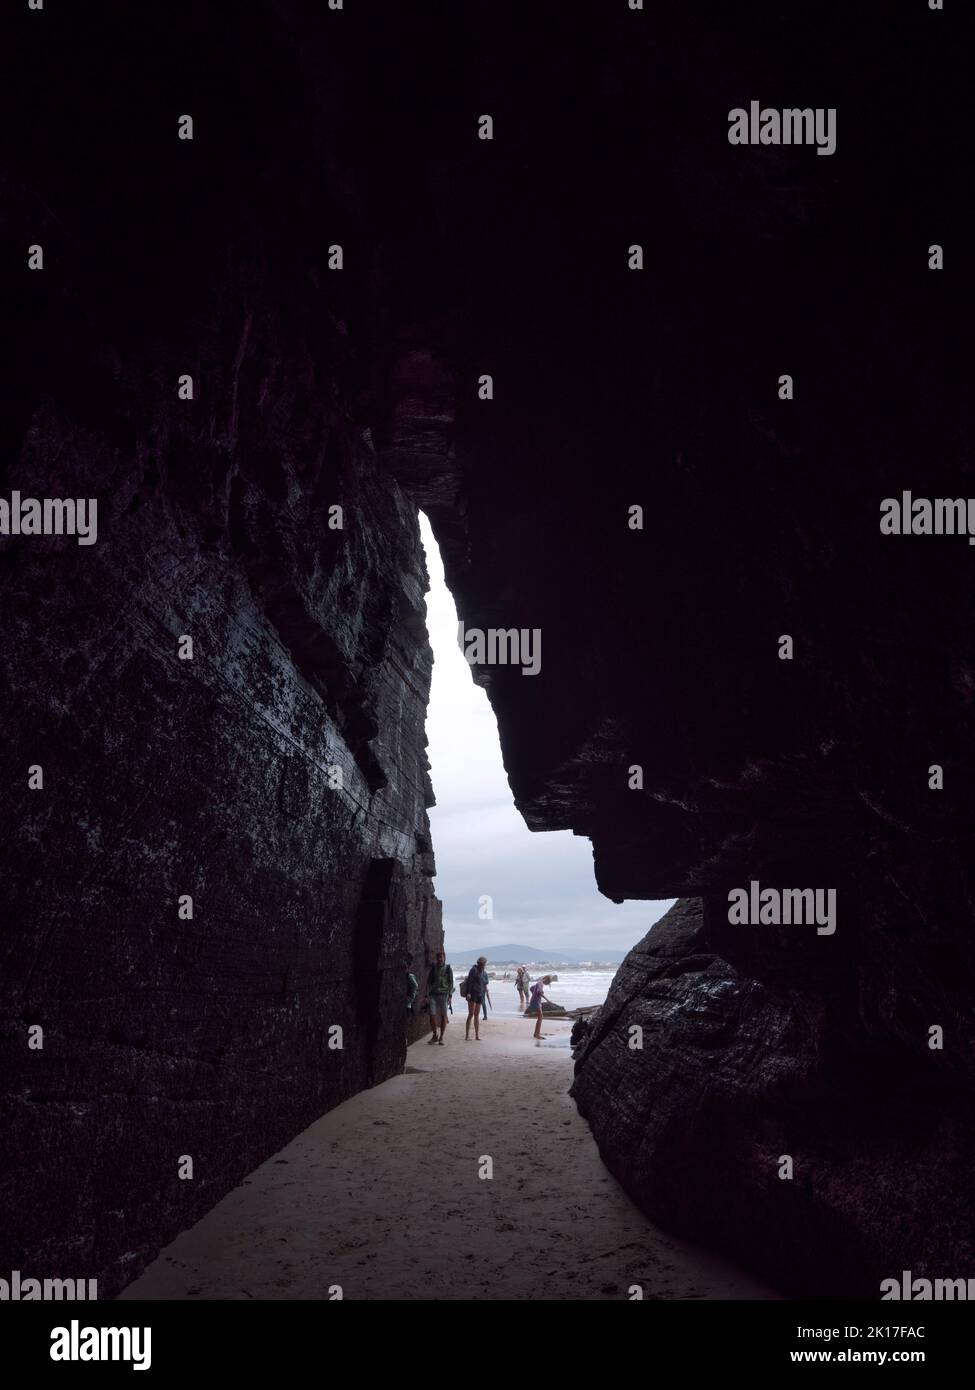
{"x": 578, "y": 986}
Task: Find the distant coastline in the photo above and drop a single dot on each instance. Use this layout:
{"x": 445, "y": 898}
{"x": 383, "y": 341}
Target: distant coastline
{"x": 512, "y": 954}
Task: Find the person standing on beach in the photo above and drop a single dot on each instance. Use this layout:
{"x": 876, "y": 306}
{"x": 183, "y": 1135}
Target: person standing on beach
{"x": 477, "y": 983}
{"x": 440, "y": 988}
{"x": 535, "y": 1003}
{"x": 521, "y": 985}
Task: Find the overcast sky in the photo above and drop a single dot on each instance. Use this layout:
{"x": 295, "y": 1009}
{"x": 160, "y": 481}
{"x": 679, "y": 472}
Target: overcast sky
{"x": 542, "y": 885}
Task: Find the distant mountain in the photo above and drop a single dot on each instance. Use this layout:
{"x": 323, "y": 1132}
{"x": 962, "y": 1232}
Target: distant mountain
{"x": 510, "y": 953}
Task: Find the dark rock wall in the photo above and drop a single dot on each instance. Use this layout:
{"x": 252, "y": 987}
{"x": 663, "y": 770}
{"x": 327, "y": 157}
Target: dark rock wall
{"x": 210, "y": 777}
{"x": 659, "y": 647}
{"x": 731, "y": 1073}
{"x": 761, "y": 518}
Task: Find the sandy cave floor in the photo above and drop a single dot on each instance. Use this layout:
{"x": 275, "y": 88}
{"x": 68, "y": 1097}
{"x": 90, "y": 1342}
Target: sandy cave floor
{"x": 382, "y": 1197}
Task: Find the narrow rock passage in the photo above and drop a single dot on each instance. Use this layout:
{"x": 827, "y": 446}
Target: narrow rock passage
{"x": 382, "y": 1197}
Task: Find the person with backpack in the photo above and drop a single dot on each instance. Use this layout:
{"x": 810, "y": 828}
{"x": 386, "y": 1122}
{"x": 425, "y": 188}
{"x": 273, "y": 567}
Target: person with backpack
{"x": 476, "y": 986}
{"x": 535, "y": 1003}
{"x": 440, "y": 989}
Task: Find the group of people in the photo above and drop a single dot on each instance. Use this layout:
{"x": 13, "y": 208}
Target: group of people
{"x": 475, "y": 989}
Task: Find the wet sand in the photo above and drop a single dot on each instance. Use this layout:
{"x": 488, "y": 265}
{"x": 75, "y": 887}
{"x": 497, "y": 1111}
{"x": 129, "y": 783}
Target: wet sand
{"x": 382, "y": 1197}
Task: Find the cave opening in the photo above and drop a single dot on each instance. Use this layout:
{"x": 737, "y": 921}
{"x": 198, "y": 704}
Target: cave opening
{"x": 514, "y": 895}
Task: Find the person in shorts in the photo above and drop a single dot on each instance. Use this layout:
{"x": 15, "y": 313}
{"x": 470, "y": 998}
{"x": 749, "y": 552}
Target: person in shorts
{"x": 440, "y": 988}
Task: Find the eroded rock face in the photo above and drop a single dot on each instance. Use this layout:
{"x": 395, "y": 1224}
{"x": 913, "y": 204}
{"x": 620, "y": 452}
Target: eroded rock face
{"x": 278, "y": 778}
{"x": 702, "y": 1081}
{"x": 214, "y": 778}
{"x": 664, "y": 724}
{"x": 660, "y": 647}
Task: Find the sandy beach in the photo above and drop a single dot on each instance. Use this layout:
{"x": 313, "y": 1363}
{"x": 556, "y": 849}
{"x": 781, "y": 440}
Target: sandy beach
{"x": 382, "y": 1197}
